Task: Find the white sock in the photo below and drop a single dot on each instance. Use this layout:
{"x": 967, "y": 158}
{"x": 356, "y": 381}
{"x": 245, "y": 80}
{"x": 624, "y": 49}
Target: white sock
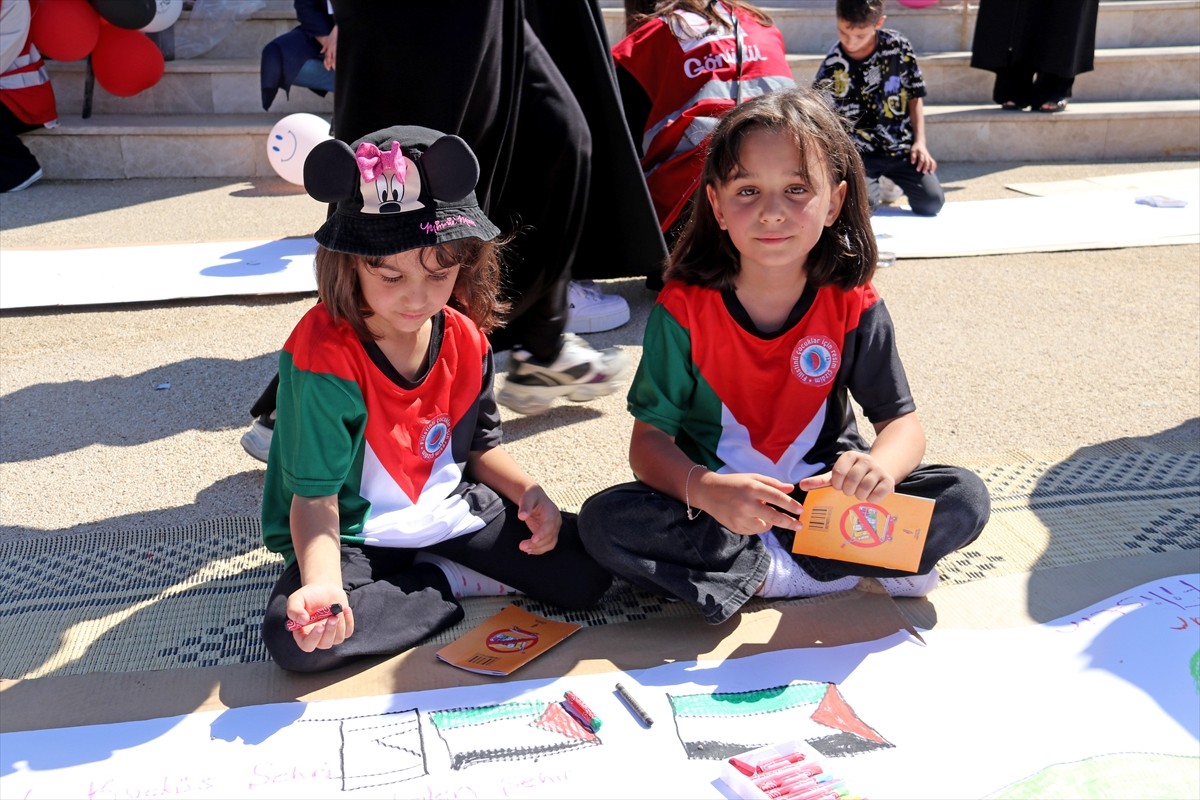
{"x": 914, "y": 586}
{"x": 786, "y": 578}
{"x": 464, "y": 581}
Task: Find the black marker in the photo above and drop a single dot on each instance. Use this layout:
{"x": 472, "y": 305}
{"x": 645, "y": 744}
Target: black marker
{"x": 634, "y": 706}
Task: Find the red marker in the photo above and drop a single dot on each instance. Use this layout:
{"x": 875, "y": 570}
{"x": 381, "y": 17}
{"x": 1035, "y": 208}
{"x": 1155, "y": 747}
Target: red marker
{"x": 325, "y": 612}
{"x": 782, "y": 778}
{"x": 580, "y": 711}
{"x": 782, "y": 761}
{"x": 743, "y": 767}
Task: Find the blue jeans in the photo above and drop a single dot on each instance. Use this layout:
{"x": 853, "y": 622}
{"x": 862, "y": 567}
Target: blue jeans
{"x": 313, "y": 75}
{"x": 646, "y": 538}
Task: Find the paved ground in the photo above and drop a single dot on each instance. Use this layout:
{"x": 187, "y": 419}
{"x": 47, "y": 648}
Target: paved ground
{"x": 1033, "y": 352}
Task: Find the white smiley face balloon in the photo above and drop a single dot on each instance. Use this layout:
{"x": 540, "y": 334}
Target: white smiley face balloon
{"x": 290, "y": 142}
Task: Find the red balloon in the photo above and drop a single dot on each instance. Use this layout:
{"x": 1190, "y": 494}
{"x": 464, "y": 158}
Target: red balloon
{"x": 126, "y": 62}
{"x": 64, "y": 30}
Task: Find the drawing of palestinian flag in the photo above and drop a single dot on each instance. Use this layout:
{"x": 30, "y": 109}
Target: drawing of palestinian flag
{"x": 719, "y": 725}
{"x": 519, "y": 731}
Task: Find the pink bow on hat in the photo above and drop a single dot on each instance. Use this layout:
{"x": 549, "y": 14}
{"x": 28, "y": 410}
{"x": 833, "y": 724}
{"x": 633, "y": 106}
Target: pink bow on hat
{"x": 372, "y": 162}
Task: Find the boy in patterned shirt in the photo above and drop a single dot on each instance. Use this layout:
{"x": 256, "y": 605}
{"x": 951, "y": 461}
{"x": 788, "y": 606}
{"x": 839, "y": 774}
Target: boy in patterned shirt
{"x": 872, "y": 78}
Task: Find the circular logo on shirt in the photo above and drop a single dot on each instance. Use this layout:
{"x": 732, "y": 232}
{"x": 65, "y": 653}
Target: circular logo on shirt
{"x": 435, "y": 437}
{"x": 816, "y": 360}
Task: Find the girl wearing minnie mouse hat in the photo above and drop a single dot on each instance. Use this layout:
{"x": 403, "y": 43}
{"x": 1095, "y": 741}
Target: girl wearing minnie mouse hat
{"x": 387, "y": 491}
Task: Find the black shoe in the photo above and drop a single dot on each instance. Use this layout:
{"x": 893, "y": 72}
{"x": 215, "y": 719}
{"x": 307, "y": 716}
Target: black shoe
{"x": 26, "y": 181}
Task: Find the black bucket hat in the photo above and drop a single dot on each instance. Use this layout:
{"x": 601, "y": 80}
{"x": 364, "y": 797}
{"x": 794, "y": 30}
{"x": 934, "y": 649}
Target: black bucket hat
{"x": 397, "y": 189}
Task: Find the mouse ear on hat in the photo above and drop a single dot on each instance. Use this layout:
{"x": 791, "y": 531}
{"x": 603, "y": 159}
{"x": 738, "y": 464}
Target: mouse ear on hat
{"x": 330, "y": 172}
{"x": 450, "y": 169}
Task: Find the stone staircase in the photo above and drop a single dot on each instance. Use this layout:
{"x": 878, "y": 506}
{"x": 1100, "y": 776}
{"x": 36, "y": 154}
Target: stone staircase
{"x": 205, "y": 118}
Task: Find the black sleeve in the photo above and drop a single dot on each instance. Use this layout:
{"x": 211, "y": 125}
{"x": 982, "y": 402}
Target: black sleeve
{"x": 487, "y": 424}
{"x": 636, "y": 103}
{"x": 877, "y": 380}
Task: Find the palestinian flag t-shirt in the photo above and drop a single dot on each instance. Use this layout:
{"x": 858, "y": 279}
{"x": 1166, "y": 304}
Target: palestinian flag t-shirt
{"x": 392, "y": 451}
{"x": 738, "y": 400}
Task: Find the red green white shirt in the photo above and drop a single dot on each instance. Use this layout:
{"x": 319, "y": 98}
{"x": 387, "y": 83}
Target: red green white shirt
{"x": 737, "y": 400}
{"x": 393, "y": 451}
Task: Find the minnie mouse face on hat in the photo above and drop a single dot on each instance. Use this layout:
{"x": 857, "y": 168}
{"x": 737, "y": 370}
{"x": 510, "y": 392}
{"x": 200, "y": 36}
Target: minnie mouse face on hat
{"x": 396, "y": 189}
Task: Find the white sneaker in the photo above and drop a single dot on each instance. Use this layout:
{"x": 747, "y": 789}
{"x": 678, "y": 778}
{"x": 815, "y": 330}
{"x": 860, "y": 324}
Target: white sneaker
{"x": 915, "y": 586}
{"x": 590, "y": 310}
{"x": 257, "y": 440}
{"x": 579, "y": 373}
{"x": 464, "y": 581}
{"x": 889, "y": 192}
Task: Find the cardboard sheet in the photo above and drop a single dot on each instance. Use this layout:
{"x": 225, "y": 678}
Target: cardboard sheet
{"x": 854, "y": 616}
{"x": 1166, "y": 181}
{"x": 1096, "y": 220}
{"x": 145, "y": 273}
{"x": 863, "y": 706}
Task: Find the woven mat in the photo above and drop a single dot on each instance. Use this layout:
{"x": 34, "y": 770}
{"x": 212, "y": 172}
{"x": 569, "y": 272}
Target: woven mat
{"x": 193, "y": 596}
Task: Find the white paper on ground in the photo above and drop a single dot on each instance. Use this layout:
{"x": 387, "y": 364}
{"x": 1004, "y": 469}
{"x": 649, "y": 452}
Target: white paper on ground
{"x": 146, "y": 273}
{"x": 1043, "y": 710}
{"x": 1093, "y": 221}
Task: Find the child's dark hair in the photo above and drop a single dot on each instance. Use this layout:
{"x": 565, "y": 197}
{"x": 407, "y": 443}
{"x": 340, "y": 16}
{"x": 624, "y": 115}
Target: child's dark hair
{"x": 476, "y": 292}
{"x": 702, "y": 7}
{"x": 844, "y": 256}
{"x": 860, "y": 12}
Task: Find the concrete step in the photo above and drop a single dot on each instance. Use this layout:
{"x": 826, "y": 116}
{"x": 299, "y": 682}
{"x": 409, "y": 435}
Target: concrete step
{"x": 231, "y": 86}
{"x": 235, "y": 145}
{"x": 197, "y": 86}
{"x": 808, "y": 26}
{"x": 1139, "y": 102}
{"x": 1126, "y": 74}
{"x": 1084, "y": 132}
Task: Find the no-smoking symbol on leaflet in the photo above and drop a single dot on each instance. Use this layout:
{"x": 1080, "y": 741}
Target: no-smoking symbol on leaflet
{"x": 867, "y": 525}
{"x": 511, "y": 640}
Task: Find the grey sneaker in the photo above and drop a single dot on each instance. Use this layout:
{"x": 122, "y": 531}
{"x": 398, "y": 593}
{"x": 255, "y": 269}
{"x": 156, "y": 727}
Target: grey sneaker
{"x": 257, "y": 440}
{"x": 889, "y": 192}
{"x": 579, "y": 373}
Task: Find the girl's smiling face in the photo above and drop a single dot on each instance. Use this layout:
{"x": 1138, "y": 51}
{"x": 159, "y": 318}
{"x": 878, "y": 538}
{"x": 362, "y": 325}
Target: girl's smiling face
{"x": 774, "y": 214}
{"x": 402, "y": 292}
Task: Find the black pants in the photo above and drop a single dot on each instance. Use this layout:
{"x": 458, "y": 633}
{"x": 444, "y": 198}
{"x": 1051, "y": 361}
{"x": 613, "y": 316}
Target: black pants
{"x": 397, "y": 603}
{"x": 17, "y": 163}
{"x": 1024, "y": 86}
{"x": 486, "y": 76}
{"x": 923, "y": 189}
{"x": 646, "y": 538}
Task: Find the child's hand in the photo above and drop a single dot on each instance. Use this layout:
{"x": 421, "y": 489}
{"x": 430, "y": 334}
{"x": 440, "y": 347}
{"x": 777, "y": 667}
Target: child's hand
{"x": 322, "y": 634}
{"x": 747, "y": 503}
{"x": 855, "y": 474}
{"x": 329, "y": 48}
{"x": 921, "y": 159}
{"x": 543, "y": 518}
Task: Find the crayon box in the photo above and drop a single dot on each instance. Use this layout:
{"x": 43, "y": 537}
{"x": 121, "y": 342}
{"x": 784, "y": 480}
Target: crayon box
{"x": 787, "y": 769}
